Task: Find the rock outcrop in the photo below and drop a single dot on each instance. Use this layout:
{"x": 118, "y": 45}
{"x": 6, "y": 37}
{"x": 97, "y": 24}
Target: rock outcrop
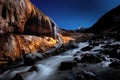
{"x": 23, "y": 30}
{"x": 21, "y": 17}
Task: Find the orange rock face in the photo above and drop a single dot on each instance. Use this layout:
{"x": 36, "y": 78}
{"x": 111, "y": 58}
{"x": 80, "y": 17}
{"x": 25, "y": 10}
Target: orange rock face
{"x": 12, "y": 46}
{"x": 21, "y": 17}
{"x": 23, "y": 28}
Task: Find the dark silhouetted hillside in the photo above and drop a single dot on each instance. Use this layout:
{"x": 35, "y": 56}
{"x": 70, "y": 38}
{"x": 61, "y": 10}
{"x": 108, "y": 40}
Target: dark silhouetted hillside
{"x": 110, "y": 21}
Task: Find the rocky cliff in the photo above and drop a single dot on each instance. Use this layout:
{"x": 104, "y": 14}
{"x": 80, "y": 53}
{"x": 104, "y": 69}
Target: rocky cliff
{"x": 24, "y": 29}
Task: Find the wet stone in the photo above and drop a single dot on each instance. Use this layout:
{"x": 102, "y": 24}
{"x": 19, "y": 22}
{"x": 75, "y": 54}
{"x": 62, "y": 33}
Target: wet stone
{"x": 33, "y": 68}
{"x": 80, "y": 74}
{"x": 91, "y": 58}
{"x": 115, "y": 64}
{"x": 88, "y": 48}
{"x": 67, "y": 65}
{"x": 31, "y": 59}
{"x": 111, "y": 52}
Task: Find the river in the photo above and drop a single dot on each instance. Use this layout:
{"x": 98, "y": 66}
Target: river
{"x": 46, "y": 67}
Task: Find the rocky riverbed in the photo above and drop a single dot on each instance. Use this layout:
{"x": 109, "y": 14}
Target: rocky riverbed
{"x": 33, "y": 47}
{"x": 96, "y": 58}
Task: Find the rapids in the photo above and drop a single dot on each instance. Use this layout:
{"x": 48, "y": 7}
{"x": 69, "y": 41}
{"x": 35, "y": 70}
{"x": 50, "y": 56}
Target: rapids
{"x": 46, "y": 68}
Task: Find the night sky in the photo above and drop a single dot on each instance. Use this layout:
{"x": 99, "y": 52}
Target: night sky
{"x": 70, "y": 14}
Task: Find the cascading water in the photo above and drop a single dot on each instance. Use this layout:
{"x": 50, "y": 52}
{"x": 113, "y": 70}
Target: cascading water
{"x": 50, "y": 65}
{"x": 50, "y": 26}
{"x": 47, "y": 67}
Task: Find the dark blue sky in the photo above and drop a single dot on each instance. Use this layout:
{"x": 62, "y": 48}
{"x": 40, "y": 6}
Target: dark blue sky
{"x": 70, "y": 14}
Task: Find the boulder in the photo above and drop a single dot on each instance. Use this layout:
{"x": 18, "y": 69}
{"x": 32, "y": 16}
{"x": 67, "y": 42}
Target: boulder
{"x": 32, "y": 58}
{"x": 91, "y": 58}
{"x": 26, "y": 74}
{"x": 87, "y": 48}
{"x": 67, "y": 65}
{"x": 115, "y": 64}
{"x": 63, "y": 48}
{"x": 111, "y": 52}
{"x": 80, "y": 74}
{"x": 77, "y": 59}
{"x": 33, "y": 68}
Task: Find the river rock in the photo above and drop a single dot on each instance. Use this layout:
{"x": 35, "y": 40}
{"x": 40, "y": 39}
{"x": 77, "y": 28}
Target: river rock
{"x": 63, "y": 48}
{"x": 30, "y": 59}
{"x": 90, "y": 58}
{"x": 111, "y": 52}
{"x": 87, "y": 48}
{"x": 115, "y": 64}
{"x": 68, "y": 46}
{"x": 77, "y": 59}
{"x": 25, "y": 75}
{"x": 117, "y": 38}
{"x": 117, "y": 46}
{"x": 80, "y": 74}
{"x": 67, "y": 65}
{"x": 34, "y": 68}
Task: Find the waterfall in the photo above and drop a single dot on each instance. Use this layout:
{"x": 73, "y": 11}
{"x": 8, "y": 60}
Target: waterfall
{"x": 56, "y": 34}
{"x": 22, "y": 3}
{"x": 50, "y": 26}
{"x": 53, "y": 30}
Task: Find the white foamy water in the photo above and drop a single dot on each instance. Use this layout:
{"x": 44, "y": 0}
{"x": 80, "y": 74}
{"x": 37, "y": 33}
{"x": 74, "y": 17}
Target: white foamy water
{"x": 74, "y": 51}
{"x": 98, "y": 47}
{"x": 11, "y": 73}
{"x": 105, "y": 63}
{"x": 47, "y": 67}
